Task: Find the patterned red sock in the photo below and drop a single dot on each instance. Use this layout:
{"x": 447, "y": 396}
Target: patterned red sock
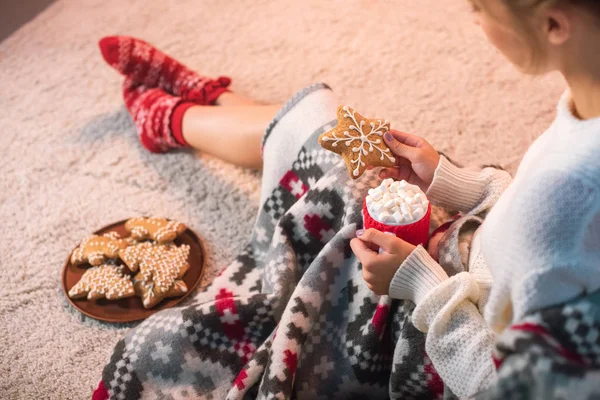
{"x": 157, "y": 116}
{"x": 151, "y": 67}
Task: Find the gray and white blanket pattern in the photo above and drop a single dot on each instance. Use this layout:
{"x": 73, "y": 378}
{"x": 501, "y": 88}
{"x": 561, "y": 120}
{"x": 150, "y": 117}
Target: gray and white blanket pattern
{"x": 291, "y": 317}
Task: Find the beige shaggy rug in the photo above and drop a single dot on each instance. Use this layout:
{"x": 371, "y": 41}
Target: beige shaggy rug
{"x": 71, "y": 162}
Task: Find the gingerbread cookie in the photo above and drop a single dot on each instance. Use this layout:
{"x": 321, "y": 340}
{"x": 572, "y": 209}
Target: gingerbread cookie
{"x": 359, "y": 141}
{"x": 136, "y": 254}
{"x": 159, "y": 229}
{"x": 106, "y": 281}
{"x": 97, "y": 249}
{"x": 161, "y": 269}
{"x": 151, "y": 296}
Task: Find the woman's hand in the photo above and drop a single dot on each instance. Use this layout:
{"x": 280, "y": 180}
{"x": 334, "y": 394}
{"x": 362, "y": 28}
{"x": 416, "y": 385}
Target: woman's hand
{"x": 416, "y": 159}
{"x": 379, "y": 269}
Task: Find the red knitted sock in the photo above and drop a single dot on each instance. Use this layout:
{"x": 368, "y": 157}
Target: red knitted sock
{"x": 157, "y": 116}
{"x": 144, "y": 63}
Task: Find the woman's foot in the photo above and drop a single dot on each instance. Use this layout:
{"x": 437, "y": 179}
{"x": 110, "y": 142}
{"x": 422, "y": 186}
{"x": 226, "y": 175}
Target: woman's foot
{"x": 157, "y": 115}
{"x": 147, "y": 65}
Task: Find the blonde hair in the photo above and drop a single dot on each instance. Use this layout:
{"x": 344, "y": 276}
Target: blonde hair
{"x": 522, "y": 10}
{"x": 524, "y": 5}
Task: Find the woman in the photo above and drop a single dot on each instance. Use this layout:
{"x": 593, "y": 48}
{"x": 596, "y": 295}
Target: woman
{"x": 291, "y": 317}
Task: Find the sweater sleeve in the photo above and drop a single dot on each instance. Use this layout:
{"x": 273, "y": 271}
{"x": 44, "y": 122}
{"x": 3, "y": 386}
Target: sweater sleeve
{"x": 466, "y": 190}
{"x": 458, "y": 339}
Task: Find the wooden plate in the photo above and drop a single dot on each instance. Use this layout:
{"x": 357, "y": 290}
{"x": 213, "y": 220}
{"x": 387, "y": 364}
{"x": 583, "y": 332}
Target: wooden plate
{"x": 131, "y": 308}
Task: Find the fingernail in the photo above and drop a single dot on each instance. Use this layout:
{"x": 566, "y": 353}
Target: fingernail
{"x": 388, "y": 136}
{"x": 360, "y": 232}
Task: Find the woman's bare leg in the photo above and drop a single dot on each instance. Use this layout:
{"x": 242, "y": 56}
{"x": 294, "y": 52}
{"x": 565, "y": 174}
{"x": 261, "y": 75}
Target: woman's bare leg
{"x": 228, "y": 99}
{"x": 232, "y": 132}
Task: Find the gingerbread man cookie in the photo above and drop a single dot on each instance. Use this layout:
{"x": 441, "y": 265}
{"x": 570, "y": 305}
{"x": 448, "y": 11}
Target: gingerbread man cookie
{"x": 359, "y": 141}
{"x": 159, "y": 229}
{"x": 97, "y": 249}
{"x": 105, "y": 280}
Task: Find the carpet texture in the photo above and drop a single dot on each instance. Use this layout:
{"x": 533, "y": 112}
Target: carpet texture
{"x": 71, "y": 162}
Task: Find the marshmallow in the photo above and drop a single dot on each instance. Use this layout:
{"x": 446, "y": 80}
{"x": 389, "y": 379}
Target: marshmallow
{"x": 390, "y": 203}
{"x": 396, "y": 203}
{"x": 376, "y": 195}
{"x": 376, "y": 208}
{"x": 418, "y": 213}
{"x": 387, "y": 182}
{"x": 405, "y": 208}
{"x": 398, "y": 217}
{"x": 386, "y": 217}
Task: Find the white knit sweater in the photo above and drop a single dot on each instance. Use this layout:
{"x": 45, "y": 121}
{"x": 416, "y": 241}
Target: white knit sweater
{"x": 541, "y": 242}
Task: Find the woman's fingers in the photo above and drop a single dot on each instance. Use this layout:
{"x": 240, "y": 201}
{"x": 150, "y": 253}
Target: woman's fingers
{"x": 385, "y": 241}
{"x": 400, "y": 149}
{"x": 393, "y": 173}
{"x": 363, "y": 251}
{"x": 398, "y": 173}
{"x": 402, "y": 161}
{"x": 406, "y": 138}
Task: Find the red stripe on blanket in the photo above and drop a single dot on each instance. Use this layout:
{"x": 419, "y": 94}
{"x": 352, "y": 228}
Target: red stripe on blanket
{"x": 497, "y": 361}
{"x": 239, "y": 380}
{"x": 528, "y": 327}
{"x": 293, "y": 184}
{"x": 317, "y": 227}
{"x": 547, "y": 336}
{"x": 380, "y": 318}
{"x": 291, "y": 360}
{"x": 434, "y": 382}
{"x": 100, "y": 393}
{"x": 245, "y": 350}
{"x": 230, "y": 320}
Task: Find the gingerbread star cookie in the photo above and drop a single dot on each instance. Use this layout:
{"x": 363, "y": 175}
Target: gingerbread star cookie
{"x": 106, "y": 280}
{"x": 97, "y": 249}
{"x": 159, "y": 229}
{"x": 359, "y": 141}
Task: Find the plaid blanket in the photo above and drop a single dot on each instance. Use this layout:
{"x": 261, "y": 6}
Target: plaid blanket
{"x": 291, "y": 317}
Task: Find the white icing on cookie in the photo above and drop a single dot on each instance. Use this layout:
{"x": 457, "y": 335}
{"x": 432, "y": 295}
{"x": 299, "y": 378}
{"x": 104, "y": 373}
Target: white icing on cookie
{"x": 155, "y": 228}
{"x": 96, "y": 249}
{"x": 162, "y": 265}
{"x": 369, "y": 141}
{"x": 103, "y": 281}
